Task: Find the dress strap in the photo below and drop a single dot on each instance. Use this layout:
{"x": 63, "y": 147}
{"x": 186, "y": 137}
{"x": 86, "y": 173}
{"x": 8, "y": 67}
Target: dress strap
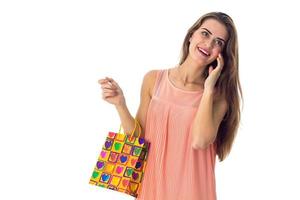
{"x": 157, "y": 84}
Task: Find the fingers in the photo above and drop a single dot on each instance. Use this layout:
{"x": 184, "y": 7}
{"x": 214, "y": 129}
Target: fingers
{"x": 106, "y": 83}
{"x": 220, "y": 59}
{"x": 109, "y": 87}
{"x": 103, "y": 81}
{"x": 109, "y": 90}
{"x": 108, "y": 94}
{"x": 112, "y": 81}
{"x": 220, "y": 63}
{"x": 210, "y": 69}
{"x": 109, "y": 81}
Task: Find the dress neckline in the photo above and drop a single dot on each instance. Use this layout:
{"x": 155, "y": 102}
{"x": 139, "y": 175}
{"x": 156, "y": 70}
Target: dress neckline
{"x": 180, "y": 89}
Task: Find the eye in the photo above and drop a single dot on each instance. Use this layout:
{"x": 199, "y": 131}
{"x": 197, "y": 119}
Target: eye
{"x": 219, "y": 43}
{"x": 204, "y": 33}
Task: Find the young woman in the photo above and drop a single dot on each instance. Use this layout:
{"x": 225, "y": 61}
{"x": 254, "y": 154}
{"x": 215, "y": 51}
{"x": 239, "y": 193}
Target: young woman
{"x": 189, "y": 113}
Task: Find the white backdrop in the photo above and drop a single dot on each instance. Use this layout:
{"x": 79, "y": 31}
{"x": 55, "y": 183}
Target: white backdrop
{"x": 53, "y": 120}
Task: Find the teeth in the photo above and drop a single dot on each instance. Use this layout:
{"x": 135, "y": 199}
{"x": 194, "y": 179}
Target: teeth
{"x": 203, "y": 51}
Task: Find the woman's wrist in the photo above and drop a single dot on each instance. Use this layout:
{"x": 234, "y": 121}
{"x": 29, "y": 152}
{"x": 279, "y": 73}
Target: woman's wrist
{"x": 208, "y": 92}
{"x": 120, "y": 106}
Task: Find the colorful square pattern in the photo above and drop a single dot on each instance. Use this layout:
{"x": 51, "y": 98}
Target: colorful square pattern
{"x": 121, "y": 163}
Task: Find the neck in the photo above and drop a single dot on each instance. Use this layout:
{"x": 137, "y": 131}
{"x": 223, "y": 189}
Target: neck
{"x": 190, "y": 72}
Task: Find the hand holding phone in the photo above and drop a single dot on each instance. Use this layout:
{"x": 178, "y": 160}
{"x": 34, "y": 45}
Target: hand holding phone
{"x": 214, "y": 72}
{"x": 214, "y": 64}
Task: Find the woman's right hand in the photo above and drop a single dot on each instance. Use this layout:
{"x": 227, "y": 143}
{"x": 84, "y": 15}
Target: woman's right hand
{"x": 111, "y": 92}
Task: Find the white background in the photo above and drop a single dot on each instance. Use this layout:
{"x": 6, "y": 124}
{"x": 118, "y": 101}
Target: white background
{"x": 53, "y": 120}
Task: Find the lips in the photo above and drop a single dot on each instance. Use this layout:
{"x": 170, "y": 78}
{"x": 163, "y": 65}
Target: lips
{"x": 203, "y": 51}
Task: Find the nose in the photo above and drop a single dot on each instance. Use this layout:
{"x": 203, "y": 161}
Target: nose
{"x": 209, "y": 43}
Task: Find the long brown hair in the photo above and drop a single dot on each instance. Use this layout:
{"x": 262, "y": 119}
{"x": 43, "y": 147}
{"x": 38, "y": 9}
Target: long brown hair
{"x": 228, "y": 84}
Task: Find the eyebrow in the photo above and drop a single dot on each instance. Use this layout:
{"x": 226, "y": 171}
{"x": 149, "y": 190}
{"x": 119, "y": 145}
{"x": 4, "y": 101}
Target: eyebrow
{"x": 211, "y": 34}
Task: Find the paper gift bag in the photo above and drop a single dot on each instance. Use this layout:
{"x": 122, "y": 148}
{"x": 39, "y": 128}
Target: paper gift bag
{"x": 121, "y": 162}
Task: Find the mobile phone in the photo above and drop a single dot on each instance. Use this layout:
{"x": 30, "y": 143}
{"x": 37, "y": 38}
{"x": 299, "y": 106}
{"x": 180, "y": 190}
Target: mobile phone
{"x": 214, "y": 63}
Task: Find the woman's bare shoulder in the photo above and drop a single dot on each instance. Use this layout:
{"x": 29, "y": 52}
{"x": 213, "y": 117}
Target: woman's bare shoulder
{"x": 151, "y": 75}
{"x": 149, "y": 80}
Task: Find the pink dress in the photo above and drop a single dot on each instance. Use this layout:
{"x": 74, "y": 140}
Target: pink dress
{"x": 174, "y": 170}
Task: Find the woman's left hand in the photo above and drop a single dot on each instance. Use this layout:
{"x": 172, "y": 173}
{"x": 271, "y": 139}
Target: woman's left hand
{"x": 214, "y": 74}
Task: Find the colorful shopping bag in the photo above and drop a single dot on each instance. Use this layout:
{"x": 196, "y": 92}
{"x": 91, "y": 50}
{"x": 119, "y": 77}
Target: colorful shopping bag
{"x": 121, "y": 163}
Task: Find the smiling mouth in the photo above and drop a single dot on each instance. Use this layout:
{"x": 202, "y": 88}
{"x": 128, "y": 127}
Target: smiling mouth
{"x": 203, "y": 52}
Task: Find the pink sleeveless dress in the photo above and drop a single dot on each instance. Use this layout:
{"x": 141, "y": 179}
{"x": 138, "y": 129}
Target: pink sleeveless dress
{"x": 175, "y": 171}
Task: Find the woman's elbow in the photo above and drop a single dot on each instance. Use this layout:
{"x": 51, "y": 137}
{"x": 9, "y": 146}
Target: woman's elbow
{"x": 200, "y": 145}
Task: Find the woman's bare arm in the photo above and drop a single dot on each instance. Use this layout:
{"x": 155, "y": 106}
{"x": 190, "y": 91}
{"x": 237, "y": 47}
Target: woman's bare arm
{"x": 145, "y": 97}
{"x": 207, "y": 120}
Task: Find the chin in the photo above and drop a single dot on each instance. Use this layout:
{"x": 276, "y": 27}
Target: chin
{"x": 200, "y": 62}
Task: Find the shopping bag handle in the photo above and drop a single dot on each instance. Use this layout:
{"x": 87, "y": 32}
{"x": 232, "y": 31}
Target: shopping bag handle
{"x": 135, "y": 124}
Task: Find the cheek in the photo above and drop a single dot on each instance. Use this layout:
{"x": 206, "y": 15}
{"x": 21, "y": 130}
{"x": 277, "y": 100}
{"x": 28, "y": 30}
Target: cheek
{"x": 196, "y": 39}
{"x": 194, "y": 42}
{"x": 215, "y": 52}
{"x": 192, "y": 46}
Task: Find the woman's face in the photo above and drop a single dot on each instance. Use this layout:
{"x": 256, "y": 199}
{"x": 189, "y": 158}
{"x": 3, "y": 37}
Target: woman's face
{"x": 208, "y": 41}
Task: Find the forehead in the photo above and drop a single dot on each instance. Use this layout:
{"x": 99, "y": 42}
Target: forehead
{"x": 215, "y": 27}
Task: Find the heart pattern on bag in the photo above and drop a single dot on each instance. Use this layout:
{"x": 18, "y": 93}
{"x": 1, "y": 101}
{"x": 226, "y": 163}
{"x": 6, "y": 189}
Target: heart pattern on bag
{"x": 100, "y": 165}
{"x": 135, "y": 175}
{"x": 133, "y": 161}
{"x": 123, "y": 159}
{"x": 105, "y": 177}
{"x": 125, "y": 182}
{"x": 103, "y": 154}
{"x": 121, "y": 163}
{"x": 119, "y": 169}
{"x": 108, "y": 144}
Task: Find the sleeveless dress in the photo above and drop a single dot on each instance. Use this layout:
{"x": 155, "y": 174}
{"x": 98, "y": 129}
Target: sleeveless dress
{"x": 174, "y": 170}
